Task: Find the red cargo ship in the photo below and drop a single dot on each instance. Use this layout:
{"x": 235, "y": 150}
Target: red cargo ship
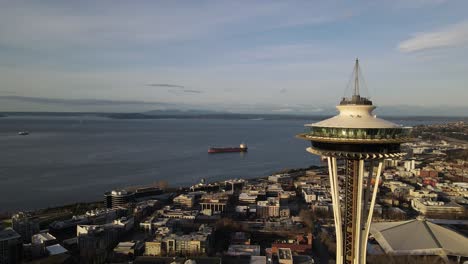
{"x": 241, "y": 148}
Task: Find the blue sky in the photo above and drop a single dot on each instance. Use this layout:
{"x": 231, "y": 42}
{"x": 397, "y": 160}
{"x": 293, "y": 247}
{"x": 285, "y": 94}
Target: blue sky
{"x": 230, "y": 55}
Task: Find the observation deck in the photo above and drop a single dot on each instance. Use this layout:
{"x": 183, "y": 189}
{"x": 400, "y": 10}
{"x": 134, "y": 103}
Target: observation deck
{"x": 356, "y": 132}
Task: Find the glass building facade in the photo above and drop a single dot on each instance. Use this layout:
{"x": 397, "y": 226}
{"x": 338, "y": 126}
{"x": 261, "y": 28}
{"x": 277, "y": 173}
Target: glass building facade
{"x": 359, "y": 133}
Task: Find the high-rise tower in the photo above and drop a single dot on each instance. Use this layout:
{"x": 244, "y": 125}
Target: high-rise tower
{"x": 361, "y": 141}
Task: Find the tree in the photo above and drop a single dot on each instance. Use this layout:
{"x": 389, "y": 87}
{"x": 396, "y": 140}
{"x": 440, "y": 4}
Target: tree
{"x": 308, "y": 218}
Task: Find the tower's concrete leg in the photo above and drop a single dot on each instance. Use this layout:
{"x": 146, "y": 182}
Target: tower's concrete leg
{"x": 353, "y": 230}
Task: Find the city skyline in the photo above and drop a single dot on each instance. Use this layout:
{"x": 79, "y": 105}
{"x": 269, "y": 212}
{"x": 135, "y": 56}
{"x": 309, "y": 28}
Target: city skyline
{"x": 235, "y": 57}
{"x": 181, "y": 131}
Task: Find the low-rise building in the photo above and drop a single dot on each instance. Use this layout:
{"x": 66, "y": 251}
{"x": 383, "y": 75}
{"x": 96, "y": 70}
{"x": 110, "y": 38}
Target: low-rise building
{"x": 25, "y": 225}
{"x": 246, "y": 198}
{"x": 119, "y": 198}
{"x": 10, "y": 246}
{"x": 39, "y": 242}
{"x": 126, "y": 223}
{"x": 102, "y": 215}
{"x": 234, "y": 185}
{"x": 243, "y": 250}
{"x": 188, "y": 200}
{"x": 284, "y": 212}
{"x": 268, "y": 208}
{"x": 422, "y": 194}
{"x": 193, "y": 244}
{"x": 274, "y": 190}
{"x": 66, "y": 229}
{"x": 196, "y": 243}
{"x": 428, "y": 173}
{"x": 284, "y": 178}
{"x": 399, "y": 189}
{"x": 129, "y": 249}
{"x": 309, "y": 195}
{"x": 285, "y": 256}
{"x": 145, "y": 208}
{"x": 409, "y": 165}
{"x": 168, "y": 212}
{"x": 153, "y": 248}
{"x": 152, "y": 223}
{"x": 55, "y": 249}
{"x": 429, "y": 207}
{"x": 94, "y": 242}
{"x": 216, "y": 202}
{"x": 301, "y": 244}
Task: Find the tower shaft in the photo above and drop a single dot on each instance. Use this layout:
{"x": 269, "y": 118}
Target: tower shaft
{"x": 351, "y": 209}
{"x": 353, "y": 187}
{"x": 352, "y": 228}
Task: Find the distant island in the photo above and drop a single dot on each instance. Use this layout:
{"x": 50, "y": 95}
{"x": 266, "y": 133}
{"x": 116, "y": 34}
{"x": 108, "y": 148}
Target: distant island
{"x": 207, "y": 116}
{"x": 198, "y": 114}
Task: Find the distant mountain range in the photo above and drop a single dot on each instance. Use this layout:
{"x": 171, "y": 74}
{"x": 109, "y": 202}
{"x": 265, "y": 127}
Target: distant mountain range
{"x": 177, "y": 114}
{"x": 146, "y": 109}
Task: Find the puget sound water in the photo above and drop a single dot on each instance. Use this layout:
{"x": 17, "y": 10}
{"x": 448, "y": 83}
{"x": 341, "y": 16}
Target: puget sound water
{"x": 76, "y": 159}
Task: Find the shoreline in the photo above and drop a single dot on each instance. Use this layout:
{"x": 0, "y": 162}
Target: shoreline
{"x": 7, "y": 214}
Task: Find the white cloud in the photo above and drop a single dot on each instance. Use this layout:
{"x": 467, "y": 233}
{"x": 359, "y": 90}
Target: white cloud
{"x": 417, "y": 3}
{"x": 453, "y": 36}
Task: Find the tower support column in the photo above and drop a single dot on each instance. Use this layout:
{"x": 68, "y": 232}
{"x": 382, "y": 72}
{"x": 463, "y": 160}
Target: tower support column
{"x": 335, "y": 194}
{"x": 350, "y": 210}
{"x": 371, "y": 209}
{"x": 352, "y": 227}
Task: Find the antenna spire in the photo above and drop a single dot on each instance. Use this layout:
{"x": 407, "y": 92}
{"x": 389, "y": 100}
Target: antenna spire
{"x": 356, "y": 98}
{"x": 356, "y": 78}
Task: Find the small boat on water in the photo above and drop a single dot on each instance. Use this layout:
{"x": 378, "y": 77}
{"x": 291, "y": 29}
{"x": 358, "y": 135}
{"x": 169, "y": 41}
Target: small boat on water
{"x": 23, "y": 133}
{"x": 242, "y": 148}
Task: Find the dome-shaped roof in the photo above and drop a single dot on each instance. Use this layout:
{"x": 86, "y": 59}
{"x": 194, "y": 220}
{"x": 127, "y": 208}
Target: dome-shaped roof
{"x": 419, "y": 237}
{"x": 355, "y": 116}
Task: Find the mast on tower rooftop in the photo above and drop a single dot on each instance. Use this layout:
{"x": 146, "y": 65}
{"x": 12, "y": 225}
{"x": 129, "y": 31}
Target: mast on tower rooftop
{"x": 356, "y": 98}
{"x": 356, "y": 78}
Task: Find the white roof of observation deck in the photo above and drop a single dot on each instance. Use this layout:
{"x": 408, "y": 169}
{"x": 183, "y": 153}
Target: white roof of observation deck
{"x": 355, "y": 116}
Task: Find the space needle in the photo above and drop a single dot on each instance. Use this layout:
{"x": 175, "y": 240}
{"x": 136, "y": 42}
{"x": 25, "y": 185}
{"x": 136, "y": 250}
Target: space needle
{"x": 359, "y": 141}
